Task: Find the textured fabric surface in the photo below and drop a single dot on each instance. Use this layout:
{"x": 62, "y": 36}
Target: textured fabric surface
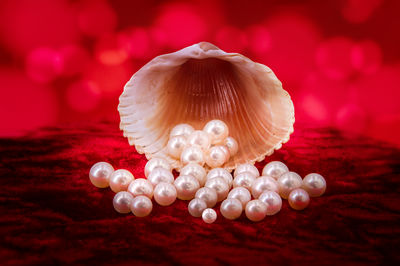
{"x": 51, "y": 213}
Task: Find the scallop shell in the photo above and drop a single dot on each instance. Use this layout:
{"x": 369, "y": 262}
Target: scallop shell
{"x": 200, "y": 83}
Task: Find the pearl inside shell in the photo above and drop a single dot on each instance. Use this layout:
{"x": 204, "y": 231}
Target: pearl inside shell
{"x": 176, "y": 145}
{"x": 181, "y": 130}
{"x": 199, "y": 138}
{"x": 195, "y": 170}
{"x": 232, "y": 145}
{"x": 217, "y": 130}
{"x": 216, "y": 156}
{"x": 192, "y": 154}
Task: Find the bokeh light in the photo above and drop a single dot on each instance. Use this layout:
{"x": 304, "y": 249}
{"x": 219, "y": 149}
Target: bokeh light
{"x": 43, "y": 65}
{"x": 83, "y": 96}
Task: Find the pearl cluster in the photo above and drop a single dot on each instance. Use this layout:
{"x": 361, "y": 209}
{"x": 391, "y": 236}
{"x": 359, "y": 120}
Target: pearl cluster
{"x": 246, "y": 191}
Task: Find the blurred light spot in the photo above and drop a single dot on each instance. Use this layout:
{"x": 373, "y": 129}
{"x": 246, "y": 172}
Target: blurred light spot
{"x": 108, "y": 51}
{"x": 366, "y": 57}
{"x": 259, "y": 39}
{"x": 352, "y": 119}
{"x": 314, "y": 108}
{"x": 135, "y": 42}
{"x": 333, "y": 57}
{"x": 83, "y": 96}
{"x": 231, "y": 39}
{"x": 43, "y": 65}
{"x": 358, "y": 11}
{"x": 74, "y": 59}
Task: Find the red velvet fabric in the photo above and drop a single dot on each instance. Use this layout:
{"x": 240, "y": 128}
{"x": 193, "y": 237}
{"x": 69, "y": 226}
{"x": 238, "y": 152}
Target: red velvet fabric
{"x": 51, "y": 213}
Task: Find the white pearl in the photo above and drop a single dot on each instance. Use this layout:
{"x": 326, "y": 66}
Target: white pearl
{"x": 299, "y": 199}
{"x": 231, "y": 209}
{"x": 195, "y": 170}
{"x": 209, "y": 216}
{"x": 273, "y": 201}
{"x": 221, "y": 172}
{"x": 275, "y": 169}
{"x": 245, "y": 179}
{"x": 181, "y": 130}
{"x": 209, "y": 195}
{"x": 141, "y": 186}
{"x": 314, "y": 184}
{"x": 160, "y": 175}
{"x": 122, "y": 201}
{"x": 192, "y": 154}
{"x": 216, "y": 157}
{"x": 287, "y": 182}
{"x": 141, "y": 206}
{"x": 165, "y": 194}
{"x": 201, "y": 139}
{"x": 220, "y": 186}
{"x": 226, "y": 151}
{"x": 256, "y": 210}
{"x": 176, "y": 145}
{"x": 241, "y": 194}
{"x": 263, "y": 183}
{"x": 217, "y": 130}
{"x": 100, "y": 174}
{"x": 246, "y": 167}
{"x": 232, "y": 145}
{"x": 154, "y": 163}
{"x": 186, "y": 187}
{"x": 196, "y": 207}
{"x": 120, "y": 180}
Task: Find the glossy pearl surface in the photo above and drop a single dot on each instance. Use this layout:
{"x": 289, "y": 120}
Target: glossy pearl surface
{"x": 216, "y": 156}
{"x": 122, "y": 202}
{"x": 141, "y": 186}
{"x": 220, "y": 186}
{"x": 287, "y": 182}
{"x": 165, "y": 194}
{"x": 186, "y": 187}
{"x": 200, "y": 138}
{"x": 176, "y": 145}
{"x": 141, "y": 206}
{"x": 209, "y": 216}
{"x": 120, "y": 180}
{"x": 245, "y": 179}
{"x": 299, "y": 199}
{"x": 232, "y": 145}
{"x": 240, "y": 193}
{"x": 275, "y": 169}
{"x": 160, "y": 175}
{"x": 181, "y": 130}
{"x": 231, "y": 209}
{"x": 314, "y": 184}
{"x": 192, "y": 154}
{"x": 195, "y": 170}
{"x": 273, "y": 201}
{"x": 100, "y": 174}
{"x": 154, "y": 163}
{"x": 217, "y": 130}
{"x": 262, "y": 184}
{"x": 241, "y": 168}
{"x": 196, "y": 207}
{"x": 209, "y": 195}
{"x": 221, "y": 172}
{"x": 256, "y": 210}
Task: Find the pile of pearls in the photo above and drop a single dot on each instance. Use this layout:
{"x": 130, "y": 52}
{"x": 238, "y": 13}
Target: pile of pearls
{"x": 246, "y": 191}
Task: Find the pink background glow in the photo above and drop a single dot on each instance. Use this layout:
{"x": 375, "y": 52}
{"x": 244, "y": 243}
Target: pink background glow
{"x": 67, "y": 61}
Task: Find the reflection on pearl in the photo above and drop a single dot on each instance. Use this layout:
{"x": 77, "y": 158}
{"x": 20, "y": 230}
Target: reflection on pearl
{"x": 176, "y": 145}
{"x": 165, "y": 194}
{"x": 195, "y": 170}
{"x": 246, "y": 167}
{"x": 231, "y": 209}
{"x": 201, "y": 139}
{"x": 192, "y": 154}
{"x": 196, "y": 207}
{"x": 263, "y": 183}
{"x": 314, "y": 184}
{"x": 100, "y": 174}
{"x": 141, "y": 186}
{"x": 154, "y": 163}
{"x": 120, "y": 180}
{"x": 141, "y": 206}
{"x": 122, "y": 201}
{"x": 299, "y": 199}
{"x": 232, "y": 145}
{"x": 220, "y": 186}
{"x": 256, "y": 210}
{"x": 160, "y": 175}
{"x": 217, "y": 130}
{"x": 273, "y": 201}
{"x": 209, "y": 195}
{"x": 287, "y": 182}
{"x": 226, "y": 151}
{"x": 245, "y": 179}
{"x": 186, "y": 187}
{"x": 275, "y": 169}
{"x": 221, "y": 172}
{"x": 240, "y": 193}
{"x": 216, "y": 156}
{"x": 181, "y": 130}
{"x": 209, "y": 216}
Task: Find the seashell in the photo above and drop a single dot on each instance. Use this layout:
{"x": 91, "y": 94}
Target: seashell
{"x": 200, "y": 83}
